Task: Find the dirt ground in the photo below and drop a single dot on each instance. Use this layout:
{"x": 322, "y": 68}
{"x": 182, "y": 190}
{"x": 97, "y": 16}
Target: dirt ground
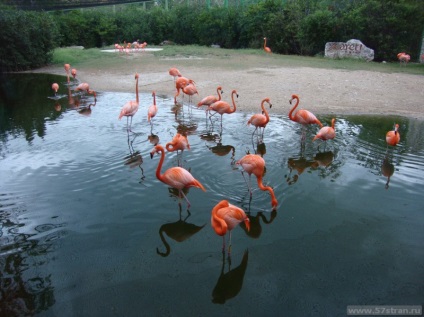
{"x": 322, "y": 91}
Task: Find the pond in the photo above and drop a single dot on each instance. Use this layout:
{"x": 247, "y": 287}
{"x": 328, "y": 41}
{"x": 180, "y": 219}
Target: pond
{"x": 88, "y": 230}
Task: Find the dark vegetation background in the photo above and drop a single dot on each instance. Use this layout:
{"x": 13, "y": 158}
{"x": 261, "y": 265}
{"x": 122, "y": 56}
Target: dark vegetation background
{"x": 300, "y": 27}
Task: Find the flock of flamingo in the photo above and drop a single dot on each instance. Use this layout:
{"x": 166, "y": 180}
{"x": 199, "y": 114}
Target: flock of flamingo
{"x": 224, "y": 216}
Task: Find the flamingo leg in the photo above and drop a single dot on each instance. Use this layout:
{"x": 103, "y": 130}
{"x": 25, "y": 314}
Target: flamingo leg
{"x": 185, "y": 197}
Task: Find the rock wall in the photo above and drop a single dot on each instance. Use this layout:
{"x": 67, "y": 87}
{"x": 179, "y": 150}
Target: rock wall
{"x": 351, "y": 49}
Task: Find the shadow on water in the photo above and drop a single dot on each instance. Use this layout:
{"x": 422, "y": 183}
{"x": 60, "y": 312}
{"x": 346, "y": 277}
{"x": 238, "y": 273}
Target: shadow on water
{"x": 81, "y": 209}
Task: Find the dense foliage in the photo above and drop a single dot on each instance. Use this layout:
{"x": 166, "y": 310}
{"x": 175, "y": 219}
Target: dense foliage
{"x": 291, "y": 26}
{"x": 27, "y": 39}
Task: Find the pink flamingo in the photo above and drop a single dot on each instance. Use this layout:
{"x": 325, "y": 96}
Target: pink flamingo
{"x": 326, "y": 133}
{"x": 174, "y": 72}
{"x": 225, "y": 217}
{"x": 393, "y": 136}
{"x": 74, "y": 73}
{"x": 208, "y": 100}
{"x": 190, "y": 90}
{"x": 131, "y": 107}
{"x": 266, "y": 48}
{"x": 180, "y": 83}
{"x": 302, "y": 116}
{"x": 67, "y": 68}
{"x": 403, "y": 58}
{"x": 86, "y": 88}
{"x": 179, "y": 143}
{"x": 260, "y": 120}
{"x": 176, "y": 177}
{"x": 222, "y": 107}
{"x": 55, "y": 87}
{"x": 254, "y": 164}
{"x": 153, "y": 109}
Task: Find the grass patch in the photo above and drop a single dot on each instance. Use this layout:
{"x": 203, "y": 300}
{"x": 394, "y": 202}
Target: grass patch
{"x": 236, "y": 59}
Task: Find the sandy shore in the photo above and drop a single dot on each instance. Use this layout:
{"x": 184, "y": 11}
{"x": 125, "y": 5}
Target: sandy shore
{"x": 322, "y": 91}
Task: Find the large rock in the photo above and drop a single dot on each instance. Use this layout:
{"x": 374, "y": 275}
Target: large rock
{"x": 350, "y": 49}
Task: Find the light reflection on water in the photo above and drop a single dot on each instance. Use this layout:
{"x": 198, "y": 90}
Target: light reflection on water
{"x": 87, "y": 228}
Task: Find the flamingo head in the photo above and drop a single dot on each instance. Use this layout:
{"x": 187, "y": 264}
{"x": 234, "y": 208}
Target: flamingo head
{"x": 293, "y": 97}
{"x": 136, "y": 76}
{"x": 157, "y": 149}
{"x": 74, "y": 72}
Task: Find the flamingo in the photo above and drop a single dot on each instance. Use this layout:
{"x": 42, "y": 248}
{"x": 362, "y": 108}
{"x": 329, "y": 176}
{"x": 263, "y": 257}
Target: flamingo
{"x": 326, "y": 133}
{"x": 55, "y": 87}
{"x": 403, "y": 58}
{"x": 179, "y": 143}
{"x": 86, "y": 87}
{"x": 190, "y": 90}
{"x": 224, "y": 217}
{"x": 176, "y": 177}
{"x": 153, "y": 109}
{"x": 222, "y": 107}
{"x": 393, "y": 136}
{"x": 254, "y": 164}
{"x": 302, "y": 116}
{"x": 260, "y": 120}
{"x": 74, "y": 73}
{"x": 67, "y": 68}
{"x": 208, "y": 100}
{"x": 131, "y": 107}
{"x": 180, "y": 83}
{"x": 174, "y": 72}
{"x": 266, "y": 48}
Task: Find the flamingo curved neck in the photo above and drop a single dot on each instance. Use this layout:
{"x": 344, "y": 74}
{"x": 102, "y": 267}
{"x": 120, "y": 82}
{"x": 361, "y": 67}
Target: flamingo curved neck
{"x": 264, "y": 42}
{"x": 219, "y": 93}
{"x": 234, "y": 103}
{"x": 294, "y": 107}
{"x": 165, "y": 243}
{"x": 269, "y": 189}
{"x": 154, "y": 99}
{"x": 219, "y": 225}
{"x": 162, "y": 158}
{"x": 265, "y": 112}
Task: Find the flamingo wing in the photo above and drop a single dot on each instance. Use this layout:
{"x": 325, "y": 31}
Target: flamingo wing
{"x": 178, "y": 177}
{"x": 258, "y": 120}
{"x": 129, "y": 109}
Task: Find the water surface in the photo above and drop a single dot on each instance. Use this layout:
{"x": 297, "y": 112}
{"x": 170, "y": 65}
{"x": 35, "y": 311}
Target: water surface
{"x": 88, "y": 230}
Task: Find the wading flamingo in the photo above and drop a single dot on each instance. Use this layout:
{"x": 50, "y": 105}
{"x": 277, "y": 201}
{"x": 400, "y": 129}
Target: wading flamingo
{"x": 74, "y": 73}
{"x": 222, "y": 107}
{"x": 67, "y": 68}
{"x": 131, "y": 107}
{"x": 190, "y": 90}
{"x": 176, "y": 177}
{"x": 174, "y": 72}
{"x": 224, "y": 218}
{"x": 254, "y": 164}
{"x": 178, "y": 143}
{"x": 208, "y": 100}
{"x": 302, "y": 116}
{"x": 393, "y": 136}
{"x": 180, "y": 83}
{"x": 260, "y": 120}
{"x": 153, "y": 110}
{"x": 266, "y": 48}
{"x": 86, "y": 88}
{"x": 326, "y": 133}
{"x": 55, "y": 87}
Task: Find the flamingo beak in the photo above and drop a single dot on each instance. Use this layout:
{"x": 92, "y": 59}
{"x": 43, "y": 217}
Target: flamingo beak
{"x": 270, "y": 105}
{"x": 152, "y": 154}
{"x": 247, "y": 223}
{"x": 290, "y": 101}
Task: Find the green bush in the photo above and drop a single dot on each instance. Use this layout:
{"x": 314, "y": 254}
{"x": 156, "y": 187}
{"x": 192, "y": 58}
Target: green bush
{"x": 28, "y": 39}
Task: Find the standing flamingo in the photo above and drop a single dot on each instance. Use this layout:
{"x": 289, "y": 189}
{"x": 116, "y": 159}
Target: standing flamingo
{"x": 176, "y": 177}
{"x": 55, "y": 87}
{"x": 224, "y": 217}
{"x": 174, "y": 72}
{"x": 74, "y": 73}
{"x": 131, "y": 107}
{"x": 254, "y": 164}
{"x": 153, "y": 110}
{"x": 179, "y": 143}
{"x": 266, "y": 48}
{"x": 86, "y": 88}
{"x": 67, "y": 68}
{"x": 190, "y": 90}
{"x": 180, "y": 83}
{"x": 222, "y": 107}
{"x": 393, "y": 136}
{"x": 326, "y": 133}
{"x": 403, "y": 58}
{"x": 208, "y": 100}
{"x": 260, "y": 120}
{"x": 302, "y": 116}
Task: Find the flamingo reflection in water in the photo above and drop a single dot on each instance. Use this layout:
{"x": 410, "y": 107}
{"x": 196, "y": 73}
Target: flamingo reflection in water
{"x": 224, "y": 218}
{"x": 230, "y": 283}
{"x": 300, "y": 164}
{"x": 86, "y": 110}
{"x": 176, "y": 177}
{"x": 134, "y": 159}
{"x": 387, "y": 169}
{"x": 255, "y": 223}
{"x": 178, "y": 231}
{"x": 254, "y": 164}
